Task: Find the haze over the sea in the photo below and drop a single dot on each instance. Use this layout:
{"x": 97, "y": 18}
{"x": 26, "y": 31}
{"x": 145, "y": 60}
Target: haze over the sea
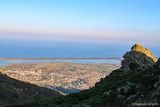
{"x": 77, "y": 28}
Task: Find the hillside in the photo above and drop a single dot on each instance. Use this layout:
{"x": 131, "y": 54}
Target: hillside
{"x": 131, "y": 87}
{"x": 16, "y": 92}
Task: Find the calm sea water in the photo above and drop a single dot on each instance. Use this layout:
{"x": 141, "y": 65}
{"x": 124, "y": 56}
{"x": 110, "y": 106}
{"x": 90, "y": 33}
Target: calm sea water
{"x": 65, "y": 49}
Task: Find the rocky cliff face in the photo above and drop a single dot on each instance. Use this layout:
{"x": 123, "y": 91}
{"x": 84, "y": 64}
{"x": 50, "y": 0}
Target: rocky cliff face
{"x": 138, "y": 58}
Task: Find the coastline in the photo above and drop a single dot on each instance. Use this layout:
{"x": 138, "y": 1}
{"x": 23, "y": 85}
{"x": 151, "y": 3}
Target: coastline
{"x": 10, "y": 61}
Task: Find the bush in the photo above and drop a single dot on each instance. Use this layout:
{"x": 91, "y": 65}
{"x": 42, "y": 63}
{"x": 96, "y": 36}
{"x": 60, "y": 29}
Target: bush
{"x": 133, "y": 66}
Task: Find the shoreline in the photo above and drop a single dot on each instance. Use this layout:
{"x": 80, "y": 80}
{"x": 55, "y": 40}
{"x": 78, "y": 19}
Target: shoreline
{"x": 10, "y": 61}
{"x": 113, "y": 58}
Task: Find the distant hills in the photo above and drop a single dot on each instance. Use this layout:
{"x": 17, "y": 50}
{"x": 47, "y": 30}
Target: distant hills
{"x": 137, "y": 82}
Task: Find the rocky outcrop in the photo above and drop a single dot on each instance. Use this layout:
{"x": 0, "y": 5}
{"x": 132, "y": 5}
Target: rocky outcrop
{"x": 138, "y": 58}
{"x": 140, "y": 48}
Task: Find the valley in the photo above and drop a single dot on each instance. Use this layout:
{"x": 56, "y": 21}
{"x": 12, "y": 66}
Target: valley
{"x": 65, "y": 78}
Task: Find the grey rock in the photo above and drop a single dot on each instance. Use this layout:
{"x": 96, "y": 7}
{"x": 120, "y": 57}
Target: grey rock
{"x": 123, "y": 90}
{"x": 136, "y": 60}
{"x": 131, "y": 98}
{"x": 107, "y": 93}
{"x": 86, "y": 105}
{"x": 121, "y": 97}
{"x": 157, "y": 84}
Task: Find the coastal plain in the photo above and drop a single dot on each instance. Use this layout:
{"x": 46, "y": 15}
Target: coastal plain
{"x": 65, "y": 78}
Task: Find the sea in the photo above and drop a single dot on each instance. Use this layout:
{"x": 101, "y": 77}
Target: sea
{"x": 39, "y": 51}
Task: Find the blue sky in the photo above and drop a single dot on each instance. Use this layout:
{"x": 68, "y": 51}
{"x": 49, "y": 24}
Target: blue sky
{"x": 103, "y": 21}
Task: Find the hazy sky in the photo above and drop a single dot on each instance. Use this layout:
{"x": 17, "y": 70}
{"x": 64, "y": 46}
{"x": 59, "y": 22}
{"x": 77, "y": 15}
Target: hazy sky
{"x": 138, "y": 20}
{"x": 111, "y": 21}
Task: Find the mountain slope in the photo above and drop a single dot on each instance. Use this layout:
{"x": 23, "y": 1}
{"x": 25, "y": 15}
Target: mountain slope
{"x": 16, "y": 92}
